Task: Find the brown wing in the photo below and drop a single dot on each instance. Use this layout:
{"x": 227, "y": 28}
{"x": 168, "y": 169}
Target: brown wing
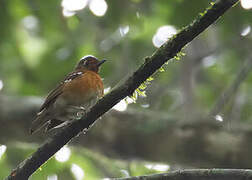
{"x": 52, "y": 96}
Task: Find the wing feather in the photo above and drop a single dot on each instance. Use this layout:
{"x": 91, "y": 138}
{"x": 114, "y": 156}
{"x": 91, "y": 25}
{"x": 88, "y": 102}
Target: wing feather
{"x": 52, "y": 96}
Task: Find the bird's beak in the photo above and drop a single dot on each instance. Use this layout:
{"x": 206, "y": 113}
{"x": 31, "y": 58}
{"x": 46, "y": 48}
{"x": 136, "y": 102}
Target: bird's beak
{"x": 101, "y": 62}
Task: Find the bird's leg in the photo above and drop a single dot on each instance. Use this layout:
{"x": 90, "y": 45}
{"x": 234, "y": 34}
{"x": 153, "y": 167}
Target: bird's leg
{"x": 78, "y": 108}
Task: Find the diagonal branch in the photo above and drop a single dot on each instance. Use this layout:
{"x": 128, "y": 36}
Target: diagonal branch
{"x": 232, "y": 89}
{"x": 151, "y": 64}
{"x": 199, "y": 174}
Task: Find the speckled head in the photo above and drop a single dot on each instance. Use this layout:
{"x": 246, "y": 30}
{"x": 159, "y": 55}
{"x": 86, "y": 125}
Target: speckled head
{"x": 89, "y": 62}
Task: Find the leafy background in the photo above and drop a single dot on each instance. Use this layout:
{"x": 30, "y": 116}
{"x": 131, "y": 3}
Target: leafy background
{"x": 39, "y": 45}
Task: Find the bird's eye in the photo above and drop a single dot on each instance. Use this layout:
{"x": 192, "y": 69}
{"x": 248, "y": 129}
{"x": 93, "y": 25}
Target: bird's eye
{"x": 86, "y": 63}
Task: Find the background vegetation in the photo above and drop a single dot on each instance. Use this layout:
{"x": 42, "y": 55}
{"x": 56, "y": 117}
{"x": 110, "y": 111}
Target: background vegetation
{"x": 41, "y": 41}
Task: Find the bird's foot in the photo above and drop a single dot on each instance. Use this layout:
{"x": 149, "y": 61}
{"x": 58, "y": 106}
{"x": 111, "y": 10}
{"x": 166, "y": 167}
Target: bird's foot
{"x": 76, "y": 112}
{"x": 81, "y": 111}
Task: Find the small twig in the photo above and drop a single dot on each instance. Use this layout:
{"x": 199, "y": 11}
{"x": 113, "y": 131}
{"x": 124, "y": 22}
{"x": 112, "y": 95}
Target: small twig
{"x": 198, "y": 174}
{"x": 232, "y": 89}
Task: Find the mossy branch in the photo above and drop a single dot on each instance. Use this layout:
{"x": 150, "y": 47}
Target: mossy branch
{"x": 167, "y": 51}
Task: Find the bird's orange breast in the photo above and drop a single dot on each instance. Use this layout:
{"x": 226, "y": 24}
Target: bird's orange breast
{"x": 84, "y": 88}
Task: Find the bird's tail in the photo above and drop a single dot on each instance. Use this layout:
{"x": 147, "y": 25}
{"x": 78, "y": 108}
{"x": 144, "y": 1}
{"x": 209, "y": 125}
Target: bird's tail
{"x": 39, "y": 122}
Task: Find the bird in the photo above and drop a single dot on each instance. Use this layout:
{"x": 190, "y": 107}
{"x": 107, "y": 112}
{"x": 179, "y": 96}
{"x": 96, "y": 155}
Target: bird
{"x": 72, "y": 97}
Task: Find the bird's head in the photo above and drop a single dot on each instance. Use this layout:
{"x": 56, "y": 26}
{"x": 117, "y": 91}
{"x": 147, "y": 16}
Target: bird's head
{"x": 90, "y": 63}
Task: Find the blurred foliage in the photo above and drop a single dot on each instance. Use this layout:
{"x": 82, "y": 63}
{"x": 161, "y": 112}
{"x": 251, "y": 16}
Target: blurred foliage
{"x": 38, "y": 46}
{"x": 93, "y": 165}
